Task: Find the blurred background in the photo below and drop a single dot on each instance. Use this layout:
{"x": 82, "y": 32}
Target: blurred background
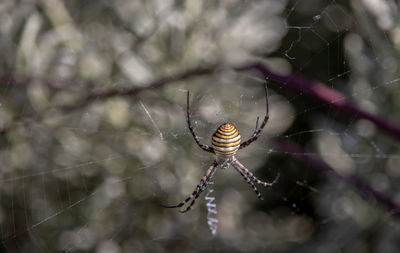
{"x": 81, "y": 171}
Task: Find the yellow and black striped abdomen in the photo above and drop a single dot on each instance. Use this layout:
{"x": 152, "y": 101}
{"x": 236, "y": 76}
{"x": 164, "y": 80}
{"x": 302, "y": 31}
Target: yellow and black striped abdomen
{"x": 226, "y": 140}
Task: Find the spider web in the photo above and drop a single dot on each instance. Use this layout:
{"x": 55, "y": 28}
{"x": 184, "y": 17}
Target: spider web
{"x": 93, "y": 180}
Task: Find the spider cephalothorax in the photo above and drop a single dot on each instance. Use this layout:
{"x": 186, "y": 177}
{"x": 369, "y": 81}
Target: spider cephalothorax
{"x": 226, "y": 141}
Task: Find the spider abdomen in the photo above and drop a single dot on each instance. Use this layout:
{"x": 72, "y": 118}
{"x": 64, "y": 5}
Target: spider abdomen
{"x": 226, "y": 140}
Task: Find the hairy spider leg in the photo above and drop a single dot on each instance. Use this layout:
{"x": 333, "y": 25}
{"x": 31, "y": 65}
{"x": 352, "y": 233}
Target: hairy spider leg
{"x": 201, "y": 189}
{"x": 196, "y": 138}
{"x": 254, "y": 178}
{"x": 248, "y": 181}
{"x": 257, "y": 131}
{"x": 198, "y": 190}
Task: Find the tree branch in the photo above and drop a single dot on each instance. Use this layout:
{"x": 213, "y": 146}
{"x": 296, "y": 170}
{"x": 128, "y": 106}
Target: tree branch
{"x": 294, "y": 150}
{"x": 140, "y": 87}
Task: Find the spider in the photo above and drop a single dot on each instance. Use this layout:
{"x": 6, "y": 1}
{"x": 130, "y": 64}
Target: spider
{"x": 226, "y": 141}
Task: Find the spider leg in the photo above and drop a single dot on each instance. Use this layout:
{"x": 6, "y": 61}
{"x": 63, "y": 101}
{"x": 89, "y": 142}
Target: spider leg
{"x": 196, "y": 138}
{"x": 199, "y": 188}
{"x": 257, "y": 131}
{"x": 254, "y": 178}
{"x": 248, "y": 181}
{"x": 207, "y": 180}
{"x": 256, "y": 124}
{"x": 194, "y": 200}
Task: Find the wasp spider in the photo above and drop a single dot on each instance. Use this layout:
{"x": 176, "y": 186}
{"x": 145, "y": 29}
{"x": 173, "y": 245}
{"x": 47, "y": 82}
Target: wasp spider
{"x": 226, "y": 141}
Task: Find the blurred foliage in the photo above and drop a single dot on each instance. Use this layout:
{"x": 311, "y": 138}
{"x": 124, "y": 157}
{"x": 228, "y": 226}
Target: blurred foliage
{"x": 90, "y": 180}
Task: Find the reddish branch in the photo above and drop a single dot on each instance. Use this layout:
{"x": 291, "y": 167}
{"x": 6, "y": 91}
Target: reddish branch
{"x": 298, "y": 153}
{"x": 321, "y": 92}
